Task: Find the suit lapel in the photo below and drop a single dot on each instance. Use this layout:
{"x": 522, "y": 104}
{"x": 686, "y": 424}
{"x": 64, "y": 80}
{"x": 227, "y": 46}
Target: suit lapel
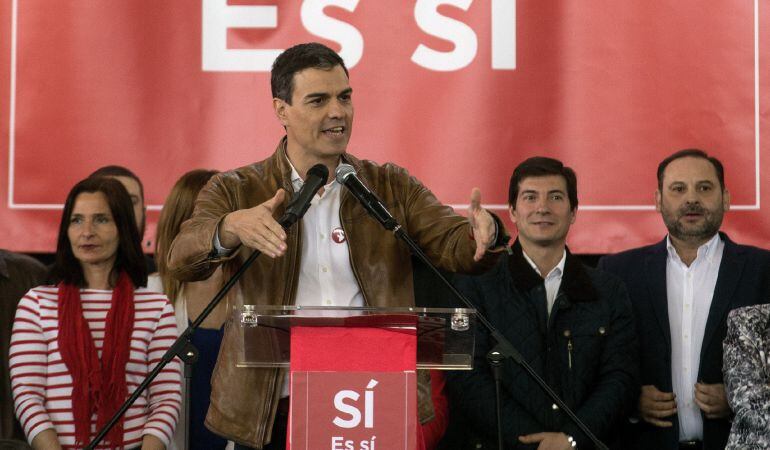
{"x": 655, "y": 268}
{"x": 730, "y": 270}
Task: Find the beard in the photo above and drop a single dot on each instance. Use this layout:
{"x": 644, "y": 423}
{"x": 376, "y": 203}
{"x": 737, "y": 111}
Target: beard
{"x": 708, "y": 227}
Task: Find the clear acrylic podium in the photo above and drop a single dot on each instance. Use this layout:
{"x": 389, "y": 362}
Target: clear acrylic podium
{"x": 445, "y": 336}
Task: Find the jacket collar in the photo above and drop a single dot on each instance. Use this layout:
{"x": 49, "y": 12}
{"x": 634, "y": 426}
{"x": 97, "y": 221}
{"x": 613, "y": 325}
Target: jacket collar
{"x": 575, "y": 282}
{"x": 280, "y": 162}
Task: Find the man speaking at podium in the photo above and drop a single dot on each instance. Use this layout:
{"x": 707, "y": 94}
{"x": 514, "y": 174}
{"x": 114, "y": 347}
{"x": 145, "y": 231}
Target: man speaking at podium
{"x": 336, "y": 256}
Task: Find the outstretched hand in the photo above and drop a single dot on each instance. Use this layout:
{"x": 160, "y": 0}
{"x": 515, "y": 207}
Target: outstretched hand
{"x": 482, "y": 223}
{"x": 256, "y": 228}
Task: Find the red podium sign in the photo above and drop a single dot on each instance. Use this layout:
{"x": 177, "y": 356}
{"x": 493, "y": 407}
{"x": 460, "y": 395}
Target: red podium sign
{"x": 353, "y": 388}
{"x": 353, "y": 410}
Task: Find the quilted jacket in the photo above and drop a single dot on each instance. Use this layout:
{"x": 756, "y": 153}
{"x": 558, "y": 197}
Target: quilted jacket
{"x": 586, "y": 351}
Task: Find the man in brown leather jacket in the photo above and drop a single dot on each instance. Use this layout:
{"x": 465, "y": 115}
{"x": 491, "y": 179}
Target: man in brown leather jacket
{"x": 337, "y": 255}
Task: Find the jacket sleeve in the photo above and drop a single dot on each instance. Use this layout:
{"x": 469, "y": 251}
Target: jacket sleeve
{"x": 746, "y": 379}
{"x": 29, "y": 368}
{"x": 616, "y": 387}
{"x": 445, "y": 236}
{"x": 192, "y": 255}
{"x": 164, "y": 393}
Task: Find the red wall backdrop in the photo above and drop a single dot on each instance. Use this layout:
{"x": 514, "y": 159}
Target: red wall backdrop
{"x": 610, "y": 87}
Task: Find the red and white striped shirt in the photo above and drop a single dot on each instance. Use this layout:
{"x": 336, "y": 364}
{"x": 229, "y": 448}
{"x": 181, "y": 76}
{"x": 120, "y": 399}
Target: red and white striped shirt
{"x": 42, "y": 385}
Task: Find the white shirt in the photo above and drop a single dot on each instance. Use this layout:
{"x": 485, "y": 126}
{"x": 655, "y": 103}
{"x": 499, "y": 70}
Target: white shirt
{"x": 690, "y": 291}
{"x": 552, "y": 280}
{"x": 325, "y": 275}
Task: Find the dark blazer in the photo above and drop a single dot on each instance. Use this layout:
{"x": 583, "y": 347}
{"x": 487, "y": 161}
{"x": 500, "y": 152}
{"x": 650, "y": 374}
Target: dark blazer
{"x": 742, "y": 280}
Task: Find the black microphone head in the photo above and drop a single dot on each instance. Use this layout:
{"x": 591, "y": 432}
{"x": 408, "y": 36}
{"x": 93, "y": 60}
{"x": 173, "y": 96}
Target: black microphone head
{"x": 319, "y": 170}
{"x": 343, "y": 172}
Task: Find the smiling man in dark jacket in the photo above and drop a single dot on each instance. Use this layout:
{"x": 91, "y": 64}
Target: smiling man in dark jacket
{"x": 573, "y": 325}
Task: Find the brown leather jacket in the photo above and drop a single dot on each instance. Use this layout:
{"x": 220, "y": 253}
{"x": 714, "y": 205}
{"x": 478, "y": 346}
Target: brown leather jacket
{"x": 244, "y": 400}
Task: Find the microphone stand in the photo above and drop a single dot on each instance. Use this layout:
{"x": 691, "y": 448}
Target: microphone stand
{"x": 503, "y": 349}
{"x": 182, "y": 347}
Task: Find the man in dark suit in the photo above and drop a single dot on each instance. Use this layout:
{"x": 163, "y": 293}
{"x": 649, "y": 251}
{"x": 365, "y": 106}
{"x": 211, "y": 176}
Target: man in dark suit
{"x": 682, "y": 289}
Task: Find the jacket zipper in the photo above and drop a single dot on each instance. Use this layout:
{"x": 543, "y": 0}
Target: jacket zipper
{"x": 568, "y": 335}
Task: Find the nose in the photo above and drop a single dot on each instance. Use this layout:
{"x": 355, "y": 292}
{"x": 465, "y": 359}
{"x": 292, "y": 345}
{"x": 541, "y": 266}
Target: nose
{"x": 88, "y": 228}
{"x": 691, "y": 196}
{"x": 336, "y": 109}
{"x": 542, "y": 206}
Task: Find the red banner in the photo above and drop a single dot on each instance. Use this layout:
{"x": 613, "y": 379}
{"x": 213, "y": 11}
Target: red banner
{"x": 457, "y": 91}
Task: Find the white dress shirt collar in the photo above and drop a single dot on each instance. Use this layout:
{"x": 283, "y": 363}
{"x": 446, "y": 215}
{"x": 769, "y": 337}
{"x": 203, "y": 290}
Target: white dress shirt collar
{"x": 552, "y": 281}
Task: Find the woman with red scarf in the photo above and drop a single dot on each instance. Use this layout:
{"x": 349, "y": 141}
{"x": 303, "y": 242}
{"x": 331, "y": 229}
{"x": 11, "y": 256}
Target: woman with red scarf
{"x": 81, "y": 345}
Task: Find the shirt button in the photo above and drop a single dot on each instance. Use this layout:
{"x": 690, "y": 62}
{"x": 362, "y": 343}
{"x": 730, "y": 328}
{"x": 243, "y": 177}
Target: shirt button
{"x": 324, "y": 269}
{"x": 323, "y": 236}
{"x": 328, "y": 302}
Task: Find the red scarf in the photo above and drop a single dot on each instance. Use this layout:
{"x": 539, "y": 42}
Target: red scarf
{"x": 97, "y": 387}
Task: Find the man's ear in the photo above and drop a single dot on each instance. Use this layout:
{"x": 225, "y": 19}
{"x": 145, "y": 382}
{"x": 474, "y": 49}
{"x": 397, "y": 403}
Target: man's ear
{"x": 279, "y": 106}
{"x": 511, "y": 214}
{"x": 658, "y": 200}
{"x": 726, "y": 200}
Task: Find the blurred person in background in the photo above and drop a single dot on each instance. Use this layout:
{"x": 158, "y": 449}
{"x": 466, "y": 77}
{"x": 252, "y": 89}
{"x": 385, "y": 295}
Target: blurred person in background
{"x": 80, "y": 345}
{"x": 189, "y": 300}
{"x": 18, "y": 274}
{"x": 135, "y": 189}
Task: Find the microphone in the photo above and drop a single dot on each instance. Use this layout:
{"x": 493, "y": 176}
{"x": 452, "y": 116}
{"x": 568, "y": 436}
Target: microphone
{"x": 346, "y": 175}
{"x": 300, "y": 202}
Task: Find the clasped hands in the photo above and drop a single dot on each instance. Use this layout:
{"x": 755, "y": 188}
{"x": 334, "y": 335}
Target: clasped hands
{"x": 655, "y": 406}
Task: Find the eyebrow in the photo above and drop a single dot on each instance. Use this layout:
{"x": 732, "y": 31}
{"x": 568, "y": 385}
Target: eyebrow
{"x": 315, "y": 95}
{"x": 697, "y": 182}
{"x": 97, "y": 214}
{"x": 552, "y": 191}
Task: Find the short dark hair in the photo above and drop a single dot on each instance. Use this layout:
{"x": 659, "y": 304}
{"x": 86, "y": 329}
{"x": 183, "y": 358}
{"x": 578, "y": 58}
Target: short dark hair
{"x": 298, "y": 58}
{"x": 541, "y": 166}
{"x": 692, "y": 153}
{"x": 67, "y": 268}
{"x": 118, "y": 171}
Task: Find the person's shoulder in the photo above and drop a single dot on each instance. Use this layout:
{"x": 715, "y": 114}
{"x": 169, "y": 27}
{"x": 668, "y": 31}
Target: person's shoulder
{"x": 493, "y": 278}
{"x": 373, "y": 170}
{"x": 622, "y": 260}
{"x": 22, "y": 264}
{"x": 636, "y": 252}
{"x": 45, "y": 293}
{"x": 239, "y": 175}
{"x": 257, "y": 172}
{"x": 754, "y": 317}
{"x": 150, "y": 296}
{"x": 601, "y": 277}
{"x": 154, "y": 283}
{"x": 752, "y": 251}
